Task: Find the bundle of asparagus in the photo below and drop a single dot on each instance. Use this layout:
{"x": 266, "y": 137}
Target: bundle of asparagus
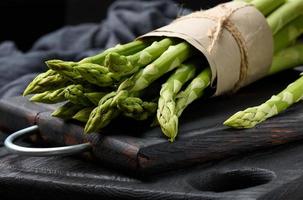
{"x": 97, "y": 89}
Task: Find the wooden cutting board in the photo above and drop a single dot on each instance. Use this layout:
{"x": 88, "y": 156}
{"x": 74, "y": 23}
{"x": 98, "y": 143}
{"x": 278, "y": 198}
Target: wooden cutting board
{"x": 132, "y": 145}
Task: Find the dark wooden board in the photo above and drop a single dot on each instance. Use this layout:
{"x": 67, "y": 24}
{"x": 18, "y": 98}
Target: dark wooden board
{"x": 274, "y": 174}
{"x": 127, "y": 144}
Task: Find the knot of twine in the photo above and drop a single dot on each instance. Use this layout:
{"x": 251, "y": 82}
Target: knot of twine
{"x": 224, "y": 22}
{"x": 215, "y": 33}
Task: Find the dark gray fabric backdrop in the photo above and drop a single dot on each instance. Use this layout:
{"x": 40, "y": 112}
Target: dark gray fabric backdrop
{"x": 125, "y": 20}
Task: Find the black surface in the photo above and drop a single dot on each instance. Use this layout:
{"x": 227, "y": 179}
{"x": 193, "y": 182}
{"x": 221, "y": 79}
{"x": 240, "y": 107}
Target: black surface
{"x": 274, "y": 174}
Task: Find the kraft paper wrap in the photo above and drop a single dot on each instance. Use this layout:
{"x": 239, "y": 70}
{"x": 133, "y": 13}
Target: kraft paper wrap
{"x": 234, "y": 37}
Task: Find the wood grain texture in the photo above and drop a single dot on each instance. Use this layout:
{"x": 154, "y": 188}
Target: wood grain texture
{"x": 274, "y": 174}
{"x": 17, "y": 113}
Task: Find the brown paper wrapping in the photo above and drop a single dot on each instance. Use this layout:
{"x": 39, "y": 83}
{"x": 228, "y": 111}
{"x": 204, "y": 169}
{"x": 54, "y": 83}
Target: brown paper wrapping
{"x": 234, "y": 37}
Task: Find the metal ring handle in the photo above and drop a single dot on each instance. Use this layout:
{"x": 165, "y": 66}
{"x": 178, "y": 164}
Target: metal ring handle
{"x": 54, "y": 151}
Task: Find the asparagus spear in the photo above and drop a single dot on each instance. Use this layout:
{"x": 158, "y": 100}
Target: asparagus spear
{"x": 67, "y": 111}
{"x": 50, "y": 97}
{"x": 76, "y": 95}
{"x": 275, "y": 105}
{"x": 83, "y": 114}
{"x": 193, "y": 91}
{"x": 288, "y": 34}
{"x": 126, "y": 64}
{"x": 96, "y": 74}
{"x": 173, "y": 57}
{"x": 250, "y": 117}
{"x": 284, "y": 14}
{"x": 102, "y": 114}
{"x": 125, "y": 49}
{"x": 169, "y": 60}
{"x": 287, "y": 58}
{"x": 46, "y": 81}
{"x": 267, "y": 6}
{"x": 95, "y": 97}
{"x": 136, "y": 108}
{"x": 167, "y": 113}
{"x": 64, "y": 68}
{"x": 118, "y": 66}
{"x": 67, "y": 69}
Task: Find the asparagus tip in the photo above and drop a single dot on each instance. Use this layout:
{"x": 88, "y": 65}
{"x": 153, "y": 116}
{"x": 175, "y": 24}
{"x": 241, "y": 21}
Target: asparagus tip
{"x": 115, "y": 62}
{"x": 59, "y": 64}
{"x": 26, "y": 92}
{"x": 35, "y": 98}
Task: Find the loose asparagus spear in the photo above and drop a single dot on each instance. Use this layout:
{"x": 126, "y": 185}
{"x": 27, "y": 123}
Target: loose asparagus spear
{"x": 50, "y": 97}
{"x": 46, "y": 81}
{"x": 275, "y": 105}
{"x": 83, "y": 114}
{"x": 169, "y": 60}
{"x": 67, "y": 111}
{"x": 250, "y": 117}
{"x": 167, "y": 113}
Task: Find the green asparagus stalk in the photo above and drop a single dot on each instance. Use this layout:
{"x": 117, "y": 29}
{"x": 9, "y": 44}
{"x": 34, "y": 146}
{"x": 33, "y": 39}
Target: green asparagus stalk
{"x": 76, "y": 95}
{"x": 267, "y": 6}
{"x": 173, "y": 57}
{"x": 125, "y": 65}
{"x": 102, "y": 114}
{"x": 118, "y": 66}
{"x": 96, "y": 74}
{"x": 125, "y": 49}
{"x": 168, "y": 61}
{"x": 50, "y": 97}
{"x": 288, "y": 34}
{"x": 167, "y": 113}
{"x": 67, "y": 111}
{"x": 83, "y": 114}
{"x": 67, "y": 69}
{"x": 193, "y": 91}
{"x": 276, "y": 104}
{"x": 287, "y": 58}
{"x": 136, "y": 108}
{"x": 46, "y": 81}
{"x": 64, "y": 68}
{"x": 293, "y": 56}
{"x": 95, "y": 97}
{"x": 285, "y": 14}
